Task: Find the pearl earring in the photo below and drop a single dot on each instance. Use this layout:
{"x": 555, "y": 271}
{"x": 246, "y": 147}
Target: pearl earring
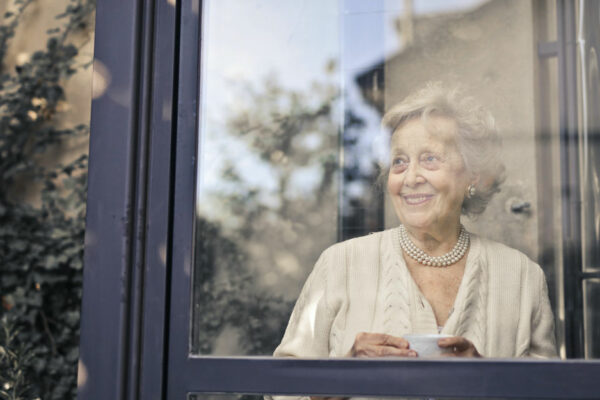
{"x": 471, "y": 191}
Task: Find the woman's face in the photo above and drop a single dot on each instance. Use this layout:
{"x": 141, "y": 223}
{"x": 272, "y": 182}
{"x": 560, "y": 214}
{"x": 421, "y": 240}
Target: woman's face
{"x": 427, "y": 180}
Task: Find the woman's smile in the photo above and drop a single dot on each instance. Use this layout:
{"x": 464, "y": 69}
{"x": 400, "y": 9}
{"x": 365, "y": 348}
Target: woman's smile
{"x": 417, "y": 198}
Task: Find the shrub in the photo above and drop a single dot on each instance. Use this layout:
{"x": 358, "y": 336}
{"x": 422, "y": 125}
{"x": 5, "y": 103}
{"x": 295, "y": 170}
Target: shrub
{"x": 41, "y": 246}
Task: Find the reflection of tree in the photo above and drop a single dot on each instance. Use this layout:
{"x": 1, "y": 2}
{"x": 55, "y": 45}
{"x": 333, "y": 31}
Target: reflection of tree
{"x": 247, "y": 277}
{"x": 288, "y": 130}
{"x": 234, "y": 301}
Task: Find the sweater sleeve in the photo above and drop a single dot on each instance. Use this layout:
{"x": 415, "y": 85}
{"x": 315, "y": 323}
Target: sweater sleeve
{"x": 308, "y": 331}
{"x": 543, "y": 342}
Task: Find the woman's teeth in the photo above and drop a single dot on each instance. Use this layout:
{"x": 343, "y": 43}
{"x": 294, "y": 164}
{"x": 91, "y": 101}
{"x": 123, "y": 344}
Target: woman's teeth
{"x": 417, "y": 199}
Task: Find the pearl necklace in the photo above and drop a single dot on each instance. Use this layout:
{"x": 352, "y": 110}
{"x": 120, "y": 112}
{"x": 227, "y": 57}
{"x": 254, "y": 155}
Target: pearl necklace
{"x": 458, "y": 252}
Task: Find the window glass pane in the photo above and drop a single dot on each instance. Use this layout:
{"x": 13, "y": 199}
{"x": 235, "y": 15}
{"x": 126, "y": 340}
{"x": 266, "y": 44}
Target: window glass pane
{"x": 293, "y": 158}
{"x": 591, "y": 298}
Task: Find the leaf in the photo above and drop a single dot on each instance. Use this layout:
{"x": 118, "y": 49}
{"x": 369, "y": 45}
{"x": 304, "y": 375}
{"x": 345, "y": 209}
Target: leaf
{"x": 9, "y": 280}
{"x": 72, "y": 318}
{"x": 19, "y": 245}
{"x": 51, "y": 262}
{"x": 39, "y": 364}
{"x": 76, "y": 264}
{"x": 73, "y": 354}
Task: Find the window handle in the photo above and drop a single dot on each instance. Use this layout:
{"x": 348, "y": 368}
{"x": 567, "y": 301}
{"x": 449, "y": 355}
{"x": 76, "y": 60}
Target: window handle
{"x": 520, "y": 207}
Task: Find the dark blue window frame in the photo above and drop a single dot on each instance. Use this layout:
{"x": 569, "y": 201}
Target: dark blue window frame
{"x": 139, "y": 240}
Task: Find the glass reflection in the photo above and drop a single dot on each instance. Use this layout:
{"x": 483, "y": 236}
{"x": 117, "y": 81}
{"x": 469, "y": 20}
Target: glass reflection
{"x": 291, "y": 143}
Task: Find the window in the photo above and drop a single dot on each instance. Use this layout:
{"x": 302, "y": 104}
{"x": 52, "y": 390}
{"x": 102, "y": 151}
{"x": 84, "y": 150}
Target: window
{"x": 252, "y": 141}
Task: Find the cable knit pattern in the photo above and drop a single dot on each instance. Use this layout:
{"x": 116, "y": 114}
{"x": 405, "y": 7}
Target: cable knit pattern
{"x": 363, "y": 285}
{"x": 472, "y": 321}
{"x": 396, "y": 296}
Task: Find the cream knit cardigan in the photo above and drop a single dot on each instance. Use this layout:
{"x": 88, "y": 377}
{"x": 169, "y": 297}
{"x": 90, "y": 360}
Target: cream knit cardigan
{"x": 363, "y": 285}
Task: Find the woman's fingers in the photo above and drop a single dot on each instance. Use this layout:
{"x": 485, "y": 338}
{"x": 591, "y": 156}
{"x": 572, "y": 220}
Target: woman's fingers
{"x": 383, "y": 351}
{"x": 458, "y": 342}
{"x": 380, "y": 345}
{"x": 381, "y": 339}
{"x": 389, "y": 340}
{"x": 461, "y": 347}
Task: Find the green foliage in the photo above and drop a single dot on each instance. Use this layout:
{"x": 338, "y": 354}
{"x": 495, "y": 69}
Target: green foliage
{"x": 14, "y": 359}
{"x": 41, "y": 247}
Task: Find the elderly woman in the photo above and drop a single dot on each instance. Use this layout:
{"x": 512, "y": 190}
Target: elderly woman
{"x": 428, "y": 275}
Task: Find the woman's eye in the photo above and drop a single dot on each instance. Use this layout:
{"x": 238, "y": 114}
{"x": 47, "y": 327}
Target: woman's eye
{"x": 430, "y": 160}
{"x": 399, "y": 163}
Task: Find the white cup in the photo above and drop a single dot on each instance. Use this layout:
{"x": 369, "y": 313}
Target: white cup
{"x": 425, "y": 344}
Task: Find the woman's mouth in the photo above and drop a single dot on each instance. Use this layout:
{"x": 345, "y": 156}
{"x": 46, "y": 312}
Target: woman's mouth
{"x": 416, "y": 199}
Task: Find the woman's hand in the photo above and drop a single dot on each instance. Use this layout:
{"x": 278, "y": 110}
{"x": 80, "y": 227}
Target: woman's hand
{"x": 380, "y": 345}
{"x": 460, "y": 346}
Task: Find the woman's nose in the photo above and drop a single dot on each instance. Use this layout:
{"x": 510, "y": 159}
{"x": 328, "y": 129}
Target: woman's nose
{"x": 413, "y": 175}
